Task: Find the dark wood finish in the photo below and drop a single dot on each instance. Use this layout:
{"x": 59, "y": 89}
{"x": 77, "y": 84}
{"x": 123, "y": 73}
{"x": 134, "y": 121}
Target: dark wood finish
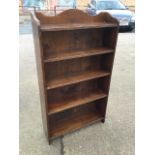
{"x": 80, "y": 26}
{"x": 53, "y": 57}
{"x": 74, "y": 55}
{"x": 75, "y": 78}
{"x": 74, "y": 119}
{"x": 40, "y": 70}
{"x": 76, "y": 100}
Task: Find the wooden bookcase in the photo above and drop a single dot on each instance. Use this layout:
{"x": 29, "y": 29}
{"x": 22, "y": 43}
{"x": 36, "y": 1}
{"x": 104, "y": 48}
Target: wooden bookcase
{"x": 74, "y": 55}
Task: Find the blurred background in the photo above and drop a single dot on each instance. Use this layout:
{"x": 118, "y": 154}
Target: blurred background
{"x": 123, "y": 10}
{"x": 26, "y": 5}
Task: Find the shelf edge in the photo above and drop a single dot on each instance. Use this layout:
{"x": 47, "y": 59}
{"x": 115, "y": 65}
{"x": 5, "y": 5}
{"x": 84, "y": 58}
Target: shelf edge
{"x": 78, "y": 56}
{"x": 72, "y": 106}
{"x": 104, "y": 74}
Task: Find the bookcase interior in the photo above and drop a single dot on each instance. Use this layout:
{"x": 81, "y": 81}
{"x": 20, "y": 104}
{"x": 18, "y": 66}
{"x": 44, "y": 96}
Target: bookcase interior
{"x": 79, "y": 117}
{"x": 70, "y": 96}
{"x": 76, "y": 41}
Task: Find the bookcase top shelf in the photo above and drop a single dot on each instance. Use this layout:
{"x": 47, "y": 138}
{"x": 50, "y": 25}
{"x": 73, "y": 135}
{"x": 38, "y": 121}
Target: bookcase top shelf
{"x": 75, "y": 26}
{"x": 73, "y": 19}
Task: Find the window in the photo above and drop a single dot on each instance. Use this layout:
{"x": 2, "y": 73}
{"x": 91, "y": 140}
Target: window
{"x": 110, "y": 5}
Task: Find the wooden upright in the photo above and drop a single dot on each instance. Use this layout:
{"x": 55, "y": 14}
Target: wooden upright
{"x": 74, "y": 54}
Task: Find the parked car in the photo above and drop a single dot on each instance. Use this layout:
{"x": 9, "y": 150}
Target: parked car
{"x": 125, "y": 17}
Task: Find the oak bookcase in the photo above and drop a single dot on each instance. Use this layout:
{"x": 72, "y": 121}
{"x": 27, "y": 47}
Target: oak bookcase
{"x": 74, "y": 55}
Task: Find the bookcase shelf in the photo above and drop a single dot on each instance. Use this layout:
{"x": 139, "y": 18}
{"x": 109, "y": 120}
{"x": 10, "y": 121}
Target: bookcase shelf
{"x": 63, "y": 126}
{"x": 75, "y": 101}
{"x": 53, "y": 57}
{"x": 74, "y": 55}
{"x": 76, "y": 78}
{"x": 63, "y": 27}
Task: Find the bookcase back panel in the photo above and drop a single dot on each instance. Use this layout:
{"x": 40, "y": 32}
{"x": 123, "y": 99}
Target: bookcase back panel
{"x": 77, "y": 114}
{"x": 103, "y": 84}
{"x": 101, "y": 106}
{"x": 72, "y": 67}
{"x": 106, "y": 61}
{"x": 65, "y": 41}
{"x": 74, "y": 16}
{"x": 75, "y": 91}
{"x": 111, "y": 37}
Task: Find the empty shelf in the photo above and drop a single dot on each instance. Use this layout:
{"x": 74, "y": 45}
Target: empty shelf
{"x": 76, "y": 78}
{"x": 75, "y": 101}
{"x": 74, "y": 122}
{"x": 52, "y": 57}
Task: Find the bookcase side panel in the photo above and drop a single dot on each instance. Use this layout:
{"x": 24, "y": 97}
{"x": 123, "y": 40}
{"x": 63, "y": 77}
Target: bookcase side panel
{"x": 40, "y": 71}
{"x": 108, "y": 62}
